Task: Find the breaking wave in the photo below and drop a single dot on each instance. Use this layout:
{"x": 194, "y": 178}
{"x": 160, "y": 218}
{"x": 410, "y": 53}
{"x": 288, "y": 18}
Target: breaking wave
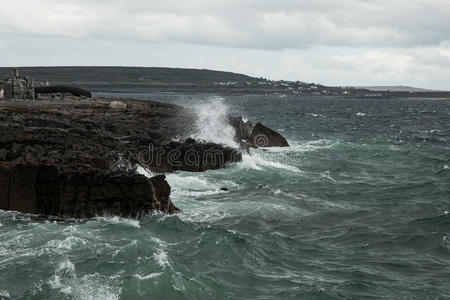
{"x": 212, "y": 124}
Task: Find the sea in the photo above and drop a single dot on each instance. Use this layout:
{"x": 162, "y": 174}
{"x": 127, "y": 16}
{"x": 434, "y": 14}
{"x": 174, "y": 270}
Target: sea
{"x": 358, "y": 207}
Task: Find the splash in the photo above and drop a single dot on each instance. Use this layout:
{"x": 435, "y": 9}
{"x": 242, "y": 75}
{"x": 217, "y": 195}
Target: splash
{"x": 212, "y": 124}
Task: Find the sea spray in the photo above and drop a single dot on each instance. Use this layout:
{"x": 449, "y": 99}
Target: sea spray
{"x": 212, "y": 124}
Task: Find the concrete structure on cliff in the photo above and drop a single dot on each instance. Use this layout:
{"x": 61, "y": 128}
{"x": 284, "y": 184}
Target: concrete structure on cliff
{"x": 17, "y": 87}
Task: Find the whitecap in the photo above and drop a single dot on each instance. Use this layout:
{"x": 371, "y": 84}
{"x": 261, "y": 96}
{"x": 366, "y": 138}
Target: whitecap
{"x": 161, "y": 258}
{"x": 308, "y": 146}
{"x": 96, "y": 287}
{"x": 257, "y": 162}
{"x": 120, "y": 220}
{"x": 92, "y": 286}
{"x": 184, "y": 184}
{"x": 5, "y": 294}
{"x": 149, "y": 276}
{"x": 69, "y": 243}
{"x": 66, "y": 266}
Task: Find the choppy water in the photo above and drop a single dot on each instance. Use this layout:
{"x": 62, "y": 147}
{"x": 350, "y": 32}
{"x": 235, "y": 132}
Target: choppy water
{"x": 357, "y": 208}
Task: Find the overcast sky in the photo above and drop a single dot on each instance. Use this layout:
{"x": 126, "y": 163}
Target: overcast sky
{"x": 334, "y": 42}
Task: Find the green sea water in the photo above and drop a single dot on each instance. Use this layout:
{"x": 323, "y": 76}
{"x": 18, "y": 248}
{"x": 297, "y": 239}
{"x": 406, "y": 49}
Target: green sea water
{"x": 357, "y": 208}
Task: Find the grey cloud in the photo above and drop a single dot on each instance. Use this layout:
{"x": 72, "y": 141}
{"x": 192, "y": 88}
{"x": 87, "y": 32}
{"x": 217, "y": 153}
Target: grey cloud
{"x": 346, "y": 42}
{"x": 256, "y": 24}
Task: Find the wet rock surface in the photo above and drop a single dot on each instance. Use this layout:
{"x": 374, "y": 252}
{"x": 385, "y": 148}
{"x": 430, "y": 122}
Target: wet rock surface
{"x": 44, "y": 190}
{"x": 79, "y": 158}
{"x": 256, "y": 136}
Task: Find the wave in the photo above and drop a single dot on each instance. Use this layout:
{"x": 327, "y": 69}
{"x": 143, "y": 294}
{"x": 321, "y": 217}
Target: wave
{"x": 308, "y": 146}
{"x": 195, "y": 185}
{"x": 93, "y": 286}
{"x": 259, "y": 161}
{"x": 212, "y": 122}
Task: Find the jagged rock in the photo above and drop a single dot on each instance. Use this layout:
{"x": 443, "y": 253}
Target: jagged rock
{"x": 76, "y": 158}
{"x": 243, "y": 130}
{"x": 256, "y": 136}
{"x": 265, "y": 137}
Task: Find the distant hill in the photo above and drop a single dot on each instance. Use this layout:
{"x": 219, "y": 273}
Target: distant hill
{"x": 136, "y": 79}
{"x": 128, "y": 75}
{"x": 398, "y": 88}
{"x": 177, "y": 80}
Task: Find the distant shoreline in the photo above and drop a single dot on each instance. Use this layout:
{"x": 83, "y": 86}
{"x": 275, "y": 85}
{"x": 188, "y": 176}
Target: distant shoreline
{"x": 142, "y": 80}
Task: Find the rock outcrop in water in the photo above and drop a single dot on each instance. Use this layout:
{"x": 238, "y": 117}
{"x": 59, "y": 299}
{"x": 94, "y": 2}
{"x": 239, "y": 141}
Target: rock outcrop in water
{"x": 256, "y": 136}
{"x": 79, "y": 158}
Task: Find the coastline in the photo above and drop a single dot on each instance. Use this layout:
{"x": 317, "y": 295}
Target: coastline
{"x": 81, "y": 158}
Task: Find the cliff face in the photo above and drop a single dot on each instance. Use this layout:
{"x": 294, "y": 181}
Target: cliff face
{"x": 79, "y": 158}
{"x": 43, "y": 190}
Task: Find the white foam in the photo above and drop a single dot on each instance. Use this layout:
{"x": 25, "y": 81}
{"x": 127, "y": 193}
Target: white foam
{"x": 184, "y": 184}
{"x": 183, "y": 181}
{"x": 5, "y": 294}
{"x": 149, "y": 276}
{"x": 212, "y": 123}
{"x": 258, "y": 162}
{"x": 95, "y": 287}
{"x": 120, "y": 220}
{"x": 69, "y": 243}
{"x": 308, "y": 146}
{"x": 161, "y": 258}
{"x": 446, "y": 167}
{"x": 66, "y": 266}
{"x": 143, "y": 171}
{"x": 92, "y": 286}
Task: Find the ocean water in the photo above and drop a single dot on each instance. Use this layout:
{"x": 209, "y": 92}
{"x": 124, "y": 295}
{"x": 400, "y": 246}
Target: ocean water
{"x": 357, "y": 208}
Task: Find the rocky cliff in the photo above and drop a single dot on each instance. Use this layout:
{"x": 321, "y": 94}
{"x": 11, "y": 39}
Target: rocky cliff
{"x": 79, "y": 158}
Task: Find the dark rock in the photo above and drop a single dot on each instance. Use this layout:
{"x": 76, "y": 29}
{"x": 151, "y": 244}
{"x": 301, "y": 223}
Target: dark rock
{"x": 243, "y": 130}
{"x": 224, "y": 189}
{"x": 255, "y": 136}
{"x": 189, "y": 141}
{"x": 42, "y": 189}
{"x": 265, "y": 137}
{"x": 77, "y": 158}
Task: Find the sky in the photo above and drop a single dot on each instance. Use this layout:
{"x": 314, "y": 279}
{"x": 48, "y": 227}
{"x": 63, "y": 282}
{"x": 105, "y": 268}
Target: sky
{"x": 333, "y": 42}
